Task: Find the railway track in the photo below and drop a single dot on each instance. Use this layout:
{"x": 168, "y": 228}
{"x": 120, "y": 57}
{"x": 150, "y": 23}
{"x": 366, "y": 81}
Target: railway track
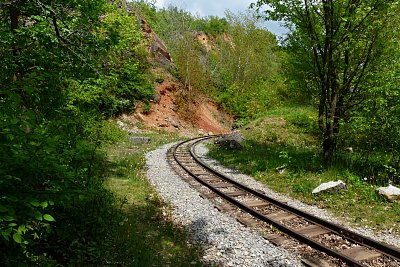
{"x": 253, "y": 207}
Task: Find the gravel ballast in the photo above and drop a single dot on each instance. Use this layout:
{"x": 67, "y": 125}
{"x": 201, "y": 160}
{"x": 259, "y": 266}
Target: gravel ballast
{"x": 226, "y": 242}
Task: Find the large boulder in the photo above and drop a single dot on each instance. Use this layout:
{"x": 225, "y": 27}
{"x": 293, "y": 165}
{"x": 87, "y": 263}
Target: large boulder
{"x": 391, "y": 193}
{"x": 330, "y": 187}
{"x": 232, "y": 140}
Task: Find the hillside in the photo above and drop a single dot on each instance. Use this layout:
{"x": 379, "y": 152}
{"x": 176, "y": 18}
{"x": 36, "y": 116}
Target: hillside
{"x": 168, "y": 110}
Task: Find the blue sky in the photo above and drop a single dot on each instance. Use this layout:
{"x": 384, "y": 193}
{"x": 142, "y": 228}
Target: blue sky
{"x": 217, "y": 8}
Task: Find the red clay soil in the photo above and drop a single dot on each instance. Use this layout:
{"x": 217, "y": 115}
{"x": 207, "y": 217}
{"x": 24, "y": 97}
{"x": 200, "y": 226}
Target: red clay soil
{"x": 164, "y": 115}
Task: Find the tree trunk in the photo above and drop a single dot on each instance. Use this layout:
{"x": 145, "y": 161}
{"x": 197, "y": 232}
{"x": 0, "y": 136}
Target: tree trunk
{"x": 14, "y": 22}
{"x": 15, "y": 14}
{"x": 332, "y": 124}
{"x": 328, "y": 146}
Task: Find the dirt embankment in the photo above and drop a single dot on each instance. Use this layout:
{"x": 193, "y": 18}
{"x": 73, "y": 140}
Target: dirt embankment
{"x": 201, "y": 116}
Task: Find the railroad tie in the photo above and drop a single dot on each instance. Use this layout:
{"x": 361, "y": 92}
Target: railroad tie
{"x": 225, "y": 207}
{"x": 313, "y": 230}
{"x": 236, "y": 193}
{"x": 315, "y": 262}
{"x": 281, "y": 216}
{"x": 221, "y": 185}
{"x": 256, "y": 203}
{"x": 361, "y": 253}
{"x": 277, "y": 239}
{"x": 247, "y": 221}
{"x": 208, "y": 195}
{"x": 211, "y": 179}
{"x": 201, "y": 173}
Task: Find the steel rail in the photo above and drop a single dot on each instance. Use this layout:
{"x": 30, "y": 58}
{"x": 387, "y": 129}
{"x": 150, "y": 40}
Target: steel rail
{"x": 356, "y": 238}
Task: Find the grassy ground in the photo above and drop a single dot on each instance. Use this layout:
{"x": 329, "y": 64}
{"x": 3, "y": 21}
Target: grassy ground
{"x": 289, "y": 137}
{"x": 145, "y": 236}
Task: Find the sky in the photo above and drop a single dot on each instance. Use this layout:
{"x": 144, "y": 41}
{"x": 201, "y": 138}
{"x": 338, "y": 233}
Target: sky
{"x": 217, "y": 8}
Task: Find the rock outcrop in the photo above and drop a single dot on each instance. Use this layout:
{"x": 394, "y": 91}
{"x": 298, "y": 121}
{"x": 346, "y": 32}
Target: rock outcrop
{"x": 157, "y": 46}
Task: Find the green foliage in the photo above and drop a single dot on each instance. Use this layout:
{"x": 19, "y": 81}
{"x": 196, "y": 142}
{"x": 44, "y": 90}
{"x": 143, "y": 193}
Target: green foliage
{"x": 373, "y": 130}
{"x": 213, "y": 26}
{"x": 335, "y": 46}
{"x": 147, "y": 9}
{"x": 246, "y": 67}
{"x": 239, "y": 64}
{"x": 68, "y": 65}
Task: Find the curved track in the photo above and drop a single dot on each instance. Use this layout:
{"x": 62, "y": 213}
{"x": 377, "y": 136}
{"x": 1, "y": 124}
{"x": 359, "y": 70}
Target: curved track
{"x": 334, "y": 240}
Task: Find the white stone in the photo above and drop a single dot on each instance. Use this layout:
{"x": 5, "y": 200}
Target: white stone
{"x": 392, "y": 193}
{"x": 349, "y": 149}
{"x": 121, "y": 124}
{"x": 330, "y": 186}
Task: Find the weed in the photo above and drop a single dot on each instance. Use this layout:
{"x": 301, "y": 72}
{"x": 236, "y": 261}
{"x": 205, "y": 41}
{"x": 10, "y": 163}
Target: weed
{"x": 146, "y": 107}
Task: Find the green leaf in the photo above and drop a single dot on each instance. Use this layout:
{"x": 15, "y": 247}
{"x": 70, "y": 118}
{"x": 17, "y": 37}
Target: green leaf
{"x": 22, "y": 229}
{"x": 3, "y": 208}
{"x": 12, "y": 224}
{"x": 35, "y": 236}
{"x": 44, "y": 204}
{"x": 17, "y": 238}
{"x": 14, "y": 121}
{"x": 48, "y": 218}
{"x": 6, "y": 236}
{"x": 35, "y": 203}
{"x": 8, "y": 218}
{"x": 38, "y": 216}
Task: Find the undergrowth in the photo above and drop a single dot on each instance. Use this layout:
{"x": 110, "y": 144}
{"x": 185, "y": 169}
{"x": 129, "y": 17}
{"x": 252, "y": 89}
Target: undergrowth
{"x": 145, "y": 236}
{"x": 288, "y": 138}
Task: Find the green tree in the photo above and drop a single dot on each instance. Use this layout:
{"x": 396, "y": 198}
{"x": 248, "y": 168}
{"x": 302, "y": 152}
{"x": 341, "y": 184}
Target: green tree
{"x": 340, "y": 41}
{"x": 374, "y": 126}
{"x": 213, "y": 25}
{"x": 246, "y": 65}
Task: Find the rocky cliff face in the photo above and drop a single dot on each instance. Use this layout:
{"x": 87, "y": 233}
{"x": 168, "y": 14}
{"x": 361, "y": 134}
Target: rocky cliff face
{"x": 157, "y": 46}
